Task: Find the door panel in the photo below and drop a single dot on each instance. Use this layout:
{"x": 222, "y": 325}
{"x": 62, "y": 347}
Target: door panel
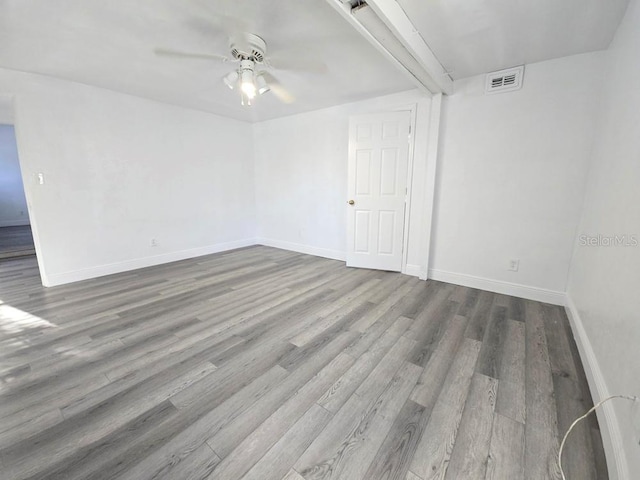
{"x": 378, "y": 162}
{"x": 386, "y": 231}
{"x": 363, "y": 172}
{"x": 388, "y": 169}
{"x": 363, "y": 229}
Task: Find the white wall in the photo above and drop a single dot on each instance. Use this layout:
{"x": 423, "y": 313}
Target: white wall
{"x": 13, "y": 204}
{"x": 605, "y": 281}
{"x": 511, "y": 176}
{"x": 120, "y": 170}
{"x": 301, "y": 178}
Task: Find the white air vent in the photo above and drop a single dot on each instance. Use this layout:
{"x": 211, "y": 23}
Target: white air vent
{"x": 504, "y": 80}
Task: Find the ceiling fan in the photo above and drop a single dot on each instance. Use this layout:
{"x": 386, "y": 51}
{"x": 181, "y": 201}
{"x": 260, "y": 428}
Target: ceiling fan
{"x": 250, "y": 77}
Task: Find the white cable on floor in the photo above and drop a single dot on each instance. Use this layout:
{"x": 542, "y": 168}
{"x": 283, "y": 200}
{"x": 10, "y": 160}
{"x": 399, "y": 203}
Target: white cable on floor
{"x": 595, "y": 407}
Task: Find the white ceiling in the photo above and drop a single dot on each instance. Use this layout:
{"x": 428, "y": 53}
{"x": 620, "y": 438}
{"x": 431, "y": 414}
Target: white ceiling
{"x": 111, "y": 44}
{"x": 471, "y": 37}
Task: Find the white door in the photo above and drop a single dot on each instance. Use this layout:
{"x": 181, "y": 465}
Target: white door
{"x": 378, "y": 162}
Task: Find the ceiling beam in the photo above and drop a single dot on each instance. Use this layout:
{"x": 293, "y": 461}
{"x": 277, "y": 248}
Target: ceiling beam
{"x": 435, "y": 78}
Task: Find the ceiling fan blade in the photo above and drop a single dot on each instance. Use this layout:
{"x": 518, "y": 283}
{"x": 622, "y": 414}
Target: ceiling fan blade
{"x": 176, "y": 53}
{"x": 298, "y": 64}
{"x": 284, "y": 95}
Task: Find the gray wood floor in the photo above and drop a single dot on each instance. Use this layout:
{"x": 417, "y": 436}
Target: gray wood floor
{"x": 16, "y": 241}
{"x": 266, "y": 364}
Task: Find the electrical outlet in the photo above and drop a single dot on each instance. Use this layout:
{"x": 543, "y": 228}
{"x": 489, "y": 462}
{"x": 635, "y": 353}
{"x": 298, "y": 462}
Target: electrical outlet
{"x": 153, "y": 242}
{"x": 514, "y": 265}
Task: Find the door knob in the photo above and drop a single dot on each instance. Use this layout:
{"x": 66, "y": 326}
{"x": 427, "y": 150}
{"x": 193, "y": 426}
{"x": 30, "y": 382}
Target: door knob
{"x": 351, "y": 202}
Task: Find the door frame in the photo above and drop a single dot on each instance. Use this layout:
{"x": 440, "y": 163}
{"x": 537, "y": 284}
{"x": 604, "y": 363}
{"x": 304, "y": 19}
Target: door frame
{"x": 9, "y": 116}
{"x": 409, "y": 109}
{"x": 425, "y": 114}
{"x": 412, "y": 109}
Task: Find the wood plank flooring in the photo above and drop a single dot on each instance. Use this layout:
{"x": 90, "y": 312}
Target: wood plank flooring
{"x": 265, "y": 364}
{"x": 16, "y": 242}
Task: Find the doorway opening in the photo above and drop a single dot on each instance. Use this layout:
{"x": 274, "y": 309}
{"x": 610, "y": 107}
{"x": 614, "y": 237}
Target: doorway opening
{"x": 16, "y": 238}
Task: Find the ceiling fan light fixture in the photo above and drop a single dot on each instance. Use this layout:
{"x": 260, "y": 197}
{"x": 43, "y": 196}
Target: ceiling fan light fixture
{"x": 247, "y": 83}
{"x": 231, "y": 79}
{"x": 249, "y": 50}
{"x": 245, "y": 100}
{"x": 263, "y": 86}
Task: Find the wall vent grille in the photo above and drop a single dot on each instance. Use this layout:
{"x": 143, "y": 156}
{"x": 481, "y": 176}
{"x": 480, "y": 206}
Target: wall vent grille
{"x": 504, "y": 80}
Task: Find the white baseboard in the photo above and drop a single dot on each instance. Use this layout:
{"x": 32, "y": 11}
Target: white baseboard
{"x": 607, "y": 418}
{"x": 516, "y": 290}
{"x": 51, "y": 280}
{"x": 297, "y": 247}
{"x": 15, "y": 223}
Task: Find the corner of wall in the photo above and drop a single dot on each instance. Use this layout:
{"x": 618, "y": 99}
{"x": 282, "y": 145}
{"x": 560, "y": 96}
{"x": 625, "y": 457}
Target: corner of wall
{"x": 6, "y": 109}
{"x": 300, "y": 248}
{"x": 607, "y": 418}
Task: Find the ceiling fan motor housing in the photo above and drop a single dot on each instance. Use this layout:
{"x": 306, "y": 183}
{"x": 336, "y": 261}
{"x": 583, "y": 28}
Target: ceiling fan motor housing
{"x": 246, "y": 65}
{"x": 248, "y": 46}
